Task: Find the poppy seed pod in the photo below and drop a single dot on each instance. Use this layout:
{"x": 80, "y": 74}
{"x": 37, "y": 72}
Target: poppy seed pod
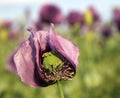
{"x": 44, "y": 58}
{"x": 50, "y": 13}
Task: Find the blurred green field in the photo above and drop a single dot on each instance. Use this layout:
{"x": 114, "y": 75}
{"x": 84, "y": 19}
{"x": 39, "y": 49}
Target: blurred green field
{"x": 98, "y": 74}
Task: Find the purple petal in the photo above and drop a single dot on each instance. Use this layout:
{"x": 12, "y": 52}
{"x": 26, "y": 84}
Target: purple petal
{"x": 41, "y": 37}
{"x": 24, "y": 63}
{"x": 28, "y": 57}
{"x": 63, "y": 46}
{"x": 11, "y": 64}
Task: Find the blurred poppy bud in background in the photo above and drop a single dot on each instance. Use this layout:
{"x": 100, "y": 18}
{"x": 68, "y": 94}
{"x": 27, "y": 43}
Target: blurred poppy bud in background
{"x": 38, "y": 25}
{"x": 95, "y": 14}
{"x": 50, "y": 13}
{"x": 116, "y": 17}
{"x": 75, "y": 17}
{"x": 7, "y": 24}
{"x": 106, "y": 31}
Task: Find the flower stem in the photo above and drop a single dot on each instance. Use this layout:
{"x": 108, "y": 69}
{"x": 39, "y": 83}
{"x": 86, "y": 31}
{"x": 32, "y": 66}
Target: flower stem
{"x": 60, "y": 89}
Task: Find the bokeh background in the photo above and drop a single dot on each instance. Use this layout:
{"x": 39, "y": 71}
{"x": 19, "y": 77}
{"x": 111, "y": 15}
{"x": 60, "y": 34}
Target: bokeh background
{"x": 94, "y": 26}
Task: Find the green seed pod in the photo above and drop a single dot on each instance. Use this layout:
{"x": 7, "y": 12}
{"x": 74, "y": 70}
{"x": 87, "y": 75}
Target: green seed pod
{"x": 51, "y": 61}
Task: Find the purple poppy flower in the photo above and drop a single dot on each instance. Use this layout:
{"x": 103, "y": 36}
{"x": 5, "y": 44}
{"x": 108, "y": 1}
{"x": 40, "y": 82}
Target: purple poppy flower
{"x": 106, "y": 31}
{"x": 29, "y": 58}
{"x": 6, "y": 24}
{"x": 96, "y": 16}
{"x": 50, "y": 13}
{"x": 116, "y": 17}
{"x": 75, "y": 17}
{"x": 38, "y": 25}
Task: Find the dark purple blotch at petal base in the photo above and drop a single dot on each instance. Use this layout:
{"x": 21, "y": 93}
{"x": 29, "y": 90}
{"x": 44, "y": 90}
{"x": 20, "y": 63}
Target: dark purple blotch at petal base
{"x": 27, "y": 60}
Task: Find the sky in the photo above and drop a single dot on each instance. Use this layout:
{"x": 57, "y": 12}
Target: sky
{"x": 15, "y": 8}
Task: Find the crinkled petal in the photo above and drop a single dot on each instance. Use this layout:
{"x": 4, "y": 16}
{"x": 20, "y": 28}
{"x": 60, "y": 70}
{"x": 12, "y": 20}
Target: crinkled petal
{"x": 63, "y": 46}
{"x": 11, "y": 64}
{"x": 24, "y": 63}
{"x": 42, "y": 38}
{"x": 28, "y": 58}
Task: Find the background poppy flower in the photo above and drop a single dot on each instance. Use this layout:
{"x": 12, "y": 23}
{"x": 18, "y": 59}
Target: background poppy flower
{"x": 50, "y": 13}
{"x": 75, "y": 17}
{"x": 116, "y": 18}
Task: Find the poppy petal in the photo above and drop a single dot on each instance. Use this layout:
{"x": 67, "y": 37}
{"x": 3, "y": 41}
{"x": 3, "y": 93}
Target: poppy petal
{"x": 63, "y": 46}
{"x": 24, "y": 63}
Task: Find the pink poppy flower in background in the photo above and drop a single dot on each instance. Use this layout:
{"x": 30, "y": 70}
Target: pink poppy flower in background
{"x": 28, "y": 59}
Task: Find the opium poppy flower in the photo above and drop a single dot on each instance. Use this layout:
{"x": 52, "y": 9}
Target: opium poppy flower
{"x": 91, "y": 16}
{"x": 106, "y": 31}
{"x": 38, "y": 25}
{"x": 75, "y": 17}
{"x": 44, "y": 58}
{"x": 116, "y": 18}
{"x": 95, "y": 14}
{"x": 7, "y": 24}
{"x": 50, "y": 13}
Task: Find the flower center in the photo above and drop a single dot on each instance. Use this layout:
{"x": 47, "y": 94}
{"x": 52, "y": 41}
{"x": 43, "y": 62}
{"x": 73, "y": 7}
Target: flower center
{"x": 55, "y": 67}
{"x": 51, "y": 61}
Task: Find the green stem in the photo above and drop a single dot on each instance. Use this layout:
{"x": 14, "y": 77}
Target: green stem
{"x": 60, "y": 89}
